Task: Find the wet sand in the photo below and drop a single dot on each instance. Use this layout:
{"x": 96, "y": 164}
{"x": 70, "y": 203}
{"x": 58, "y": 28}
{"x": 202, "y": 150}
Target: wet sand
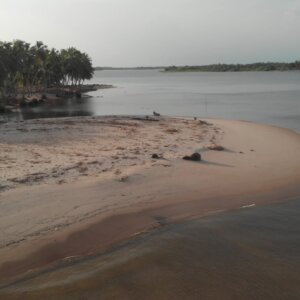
{"x": 94, "y": 184}
{"x": 251, "y": 253}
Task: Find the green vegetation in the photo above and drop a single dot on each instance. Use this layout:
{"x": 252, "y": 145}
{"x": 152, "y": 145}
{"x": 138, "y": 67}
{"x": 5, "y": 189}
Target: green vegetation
{"x": 27, "y": 69}
{"x": 237, "y": 67}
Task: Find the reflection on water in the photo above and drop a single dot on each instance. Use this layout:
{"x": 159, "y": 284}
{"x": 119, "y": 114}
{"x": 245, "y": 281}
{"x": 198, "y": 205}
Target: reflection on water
{"x": 66, "y": 108}
{"x": 248, "y": 254}
{"x": 265, "y": 97}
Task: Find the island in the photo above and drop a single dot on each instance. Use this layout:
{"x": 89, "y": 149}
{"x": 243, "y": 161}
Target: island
{"x": 33, "y": 74}
{"x": 269, "y": 66}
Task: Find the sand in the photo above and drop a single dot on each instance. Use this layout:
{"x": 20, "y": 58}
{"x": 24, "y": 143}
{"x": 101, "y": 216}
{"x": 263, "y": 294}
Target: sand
{"x": 74, "y": 187}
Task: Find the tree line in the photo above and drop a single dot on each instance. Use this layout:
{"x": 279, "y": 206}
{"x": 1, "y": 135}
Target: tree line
{"x": 237, "y": 67}
{"x": 26, "y": 68}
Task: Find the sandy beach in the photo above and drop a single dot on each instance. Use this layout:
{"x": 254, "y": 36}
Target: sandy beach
{"x": 73, "y": 187}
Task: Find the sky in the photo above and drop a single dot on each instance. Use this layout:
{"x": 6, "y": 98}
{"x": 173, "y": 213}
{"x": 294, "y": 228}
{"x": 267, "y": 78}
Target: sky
{"x": 124, "y": 33}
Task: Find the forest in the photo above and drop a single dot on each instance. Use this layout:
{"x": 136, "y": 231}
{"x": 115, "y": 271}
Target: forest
{"x": 237, "y": 67}
{"x": 26, "y": 69}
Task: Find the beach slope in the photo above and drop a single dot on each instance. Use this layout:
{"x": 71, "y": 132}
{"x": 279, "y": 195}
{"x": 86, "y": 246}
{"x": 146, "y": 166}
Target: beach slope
{"x": 71, "y": 188}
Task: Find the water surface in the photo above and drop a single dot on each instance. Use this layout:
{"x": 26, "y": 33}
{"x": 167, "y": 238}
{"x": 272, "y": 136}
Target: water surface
{"x": 264, "y": 97}
{"x": 247, "y": 254}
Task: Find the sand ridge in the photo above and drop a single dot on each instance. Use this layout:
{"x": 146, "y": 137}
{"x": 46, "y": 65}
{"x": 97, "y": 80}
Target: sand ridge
{"x": 62, "y": 150}
{"x": 85, "y": 214}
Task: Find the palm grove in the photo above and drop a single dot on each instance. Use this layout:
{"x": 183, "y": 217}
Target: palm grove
{"x": 26, "y": 68}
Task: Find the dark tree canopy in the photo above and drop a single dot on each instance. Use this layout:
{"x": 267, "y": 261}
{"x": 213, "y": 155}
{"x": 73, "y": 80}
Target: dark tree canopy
{"x": 25, "y": 68}
{"x": 238, "y": 67}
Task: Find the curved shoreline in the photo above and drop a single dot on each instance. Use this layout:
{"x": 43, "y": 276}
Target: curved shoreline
{"x": 249, "y": 253}
{"x": 159, "y": 195}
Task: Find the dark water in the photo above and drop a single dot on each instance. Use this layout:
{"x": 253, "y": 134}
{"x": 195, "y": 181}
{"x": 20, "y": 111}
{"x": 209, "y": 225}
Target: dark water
{"x": 250, "y": 254}
{"x": 264, "y": 97}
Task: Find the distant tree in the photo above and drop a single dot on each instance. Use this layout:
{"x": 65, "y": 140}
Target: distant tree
{"x": 77, "y": 66}
{"x": 238, "y": 67}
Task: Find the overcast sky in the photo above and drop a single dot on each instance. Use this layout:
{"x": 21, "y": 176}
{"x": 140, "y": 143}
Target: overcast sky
{"x": 159, "y": 32}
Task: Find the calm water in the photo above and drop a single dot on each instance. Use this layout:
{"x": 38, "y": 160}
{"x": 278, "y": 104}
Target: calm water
{"x": 264, "y": 97}
{"x": 248, "y": 254}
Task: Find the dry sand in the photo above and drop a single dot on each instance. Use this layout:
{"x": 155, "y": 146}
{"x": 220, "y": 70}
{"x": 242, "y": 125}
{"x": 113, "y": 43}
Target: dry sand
{"x": 74, "y": 187}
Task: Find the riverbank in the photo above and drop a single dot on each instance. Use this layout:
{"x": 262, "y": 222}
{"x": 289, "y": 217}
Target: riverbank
{"x": 245, "y": 254}
{"x": 13, "y": 102}
{"x": 74, "y": 187}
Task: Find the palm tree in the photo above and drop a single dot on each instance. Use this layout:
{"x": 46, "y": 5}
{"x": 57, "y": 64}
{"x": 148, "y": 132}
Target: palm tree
{"x": 26, "y": 68}
{"x": 53, "y": 68}
{"x": 38, "y": 71}
{"x": 77, "y": 66}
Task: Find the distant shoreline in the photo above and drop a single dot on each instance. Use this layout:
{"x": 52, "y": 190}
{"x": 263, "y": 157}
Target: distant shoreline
{"x": 128, "y": 68}
{"x": 14, "y": 102}
{"x": 258, "y": 67}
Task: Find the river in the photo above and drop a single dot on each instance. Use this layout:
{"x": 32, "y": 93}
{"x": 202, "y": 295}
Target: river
{"x": 263, "y": 97}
